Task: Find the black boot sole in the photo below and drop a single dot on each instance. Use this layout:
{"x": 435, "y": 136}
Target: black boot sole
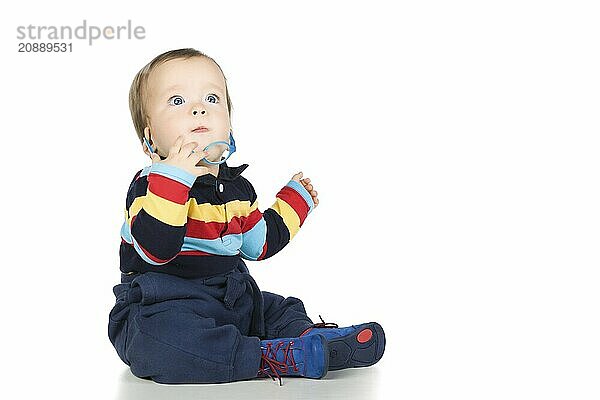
{"x": 360, "y": 349}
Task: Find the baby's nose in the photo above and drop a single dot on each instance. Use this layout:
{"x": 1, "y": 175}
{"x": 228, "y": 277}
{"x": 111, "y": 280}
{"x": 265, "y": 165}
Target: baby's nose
{"x": 195, "y": 112}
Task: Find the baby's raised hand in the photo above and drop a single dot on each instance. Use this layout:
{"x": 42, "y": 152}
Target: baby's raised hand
{"x": 180, "y": 155}
{"x": 307, "y": 185}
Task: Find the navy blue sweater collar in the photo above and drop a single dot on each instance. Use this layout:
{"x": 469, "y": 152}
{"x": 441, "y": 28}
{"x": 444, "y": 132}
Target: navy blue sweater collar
{"x": 226, "y": 173}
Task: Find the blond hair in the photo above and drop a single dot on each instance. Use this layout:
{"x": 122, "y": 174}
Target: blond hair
{"x": 138, "y": 95}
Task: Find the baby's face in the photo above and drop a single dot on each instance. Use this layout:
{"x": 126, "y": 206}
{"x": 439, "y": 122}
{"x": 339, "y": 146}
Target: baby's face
{"x": 184, "y": 94}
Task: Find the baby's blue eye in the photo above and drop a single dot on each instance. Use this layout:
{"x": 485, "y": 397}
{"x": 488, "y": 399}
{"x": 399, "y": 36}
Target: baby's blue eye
{"x": 214, "y": 96}
{"x": 176, "y": 100}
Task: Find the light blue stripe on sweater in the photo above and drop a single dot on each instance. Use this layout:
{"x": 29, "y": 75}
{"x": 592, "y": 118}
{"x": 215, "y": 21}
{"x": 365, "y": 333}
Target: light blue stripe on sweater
{"x": 145, "y": 170}
{"x": 228, "y": 245}
{"x": 126, "y": 233}
{"x": 254, "y": 240}
{"x": 175, "y": 173}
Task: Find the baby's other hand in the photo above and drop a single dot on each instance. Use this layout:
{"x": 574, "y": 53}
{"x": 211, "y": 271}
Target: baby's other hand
{"x": 307, "y": 185}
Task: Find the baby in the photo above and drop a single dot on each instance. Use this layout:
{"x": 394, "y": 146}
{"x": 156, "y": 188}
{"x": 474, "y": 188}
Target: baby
{"x": 187, "y": 309}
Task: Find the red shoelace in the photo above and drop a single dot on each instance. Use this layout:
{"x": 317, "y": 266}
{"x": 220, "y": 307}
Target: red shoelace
{"x": 269, "y": 360}
{"x": 324, "y": 324}
{"x": 321, "y": 324}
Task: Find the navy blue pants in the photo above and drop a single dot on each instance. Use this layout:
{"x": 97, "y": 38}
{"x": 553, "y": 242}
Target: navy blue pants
{"x": 202, "y": 330}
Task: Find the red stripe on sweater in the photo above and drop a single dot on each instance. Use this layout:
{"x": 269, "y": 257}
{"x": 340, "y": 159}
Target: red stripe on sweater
{"x": 264, "y": 252}
{"x": 194, "y": 253}
{"x": 295, "y": 200}
{"x": 152, "y": 257}
{"x": 251, "y": 220}
{"x": 212, "y": 230}
{"x": 168, "y": 188}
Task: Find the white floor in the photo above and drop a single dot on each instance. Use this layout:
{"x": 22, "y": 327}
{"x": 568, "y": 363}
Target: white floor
{"x": 363, "y": 383}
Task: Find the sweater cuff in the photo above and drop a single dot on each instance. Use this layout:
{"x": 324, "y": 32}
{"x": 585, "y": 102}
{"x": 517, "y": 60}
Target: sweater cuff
{"x": 301, "y": 190}
{"x": 178, "y": 174}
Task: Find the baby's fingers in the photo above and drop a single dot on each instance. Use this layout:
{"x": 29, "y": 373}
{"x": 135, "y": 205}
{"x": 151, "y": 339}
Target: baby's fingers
{"x": 186, "y": 150}
{"x": 197, "y": 155}
{"x": 297, "y": 176}
{"x": 176, "y": 148}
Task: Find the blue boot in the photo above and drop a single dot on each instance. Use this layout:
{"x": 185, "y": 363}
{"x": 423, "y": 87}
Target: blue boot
{"x": 307, "y": 357}
{"x": 353, "y": 346}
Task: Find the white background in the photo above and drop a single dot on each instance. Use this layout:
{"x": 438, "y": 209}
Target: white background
{"x": 454, "y": 146}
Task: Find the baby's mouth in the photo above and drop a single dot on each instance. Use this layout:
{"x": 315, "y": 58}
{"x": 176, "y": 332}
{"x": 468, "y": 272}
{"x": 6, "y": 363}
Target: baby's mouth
{"x": 200, "y": 129}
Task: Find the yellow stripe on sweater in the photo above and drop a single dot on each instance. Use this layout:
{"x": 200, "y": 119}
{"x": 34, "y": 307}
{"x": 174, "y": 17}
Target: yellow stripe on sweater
{"x": 160, "y": 208}
{"x": 289, "y": 216}
{"x": 207, "y": 212}
{"x": 171, "y": 213}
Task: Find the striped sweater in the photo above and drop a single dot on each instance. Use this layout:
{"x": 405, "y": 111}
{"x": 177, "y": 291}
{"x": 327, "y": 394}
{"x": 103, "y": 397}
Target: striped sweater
{"x": 193, "y": 227}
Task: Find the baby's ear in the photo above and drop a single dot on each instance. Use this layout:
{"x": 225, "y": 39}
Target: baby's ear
{"x": 144, "y": 146}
